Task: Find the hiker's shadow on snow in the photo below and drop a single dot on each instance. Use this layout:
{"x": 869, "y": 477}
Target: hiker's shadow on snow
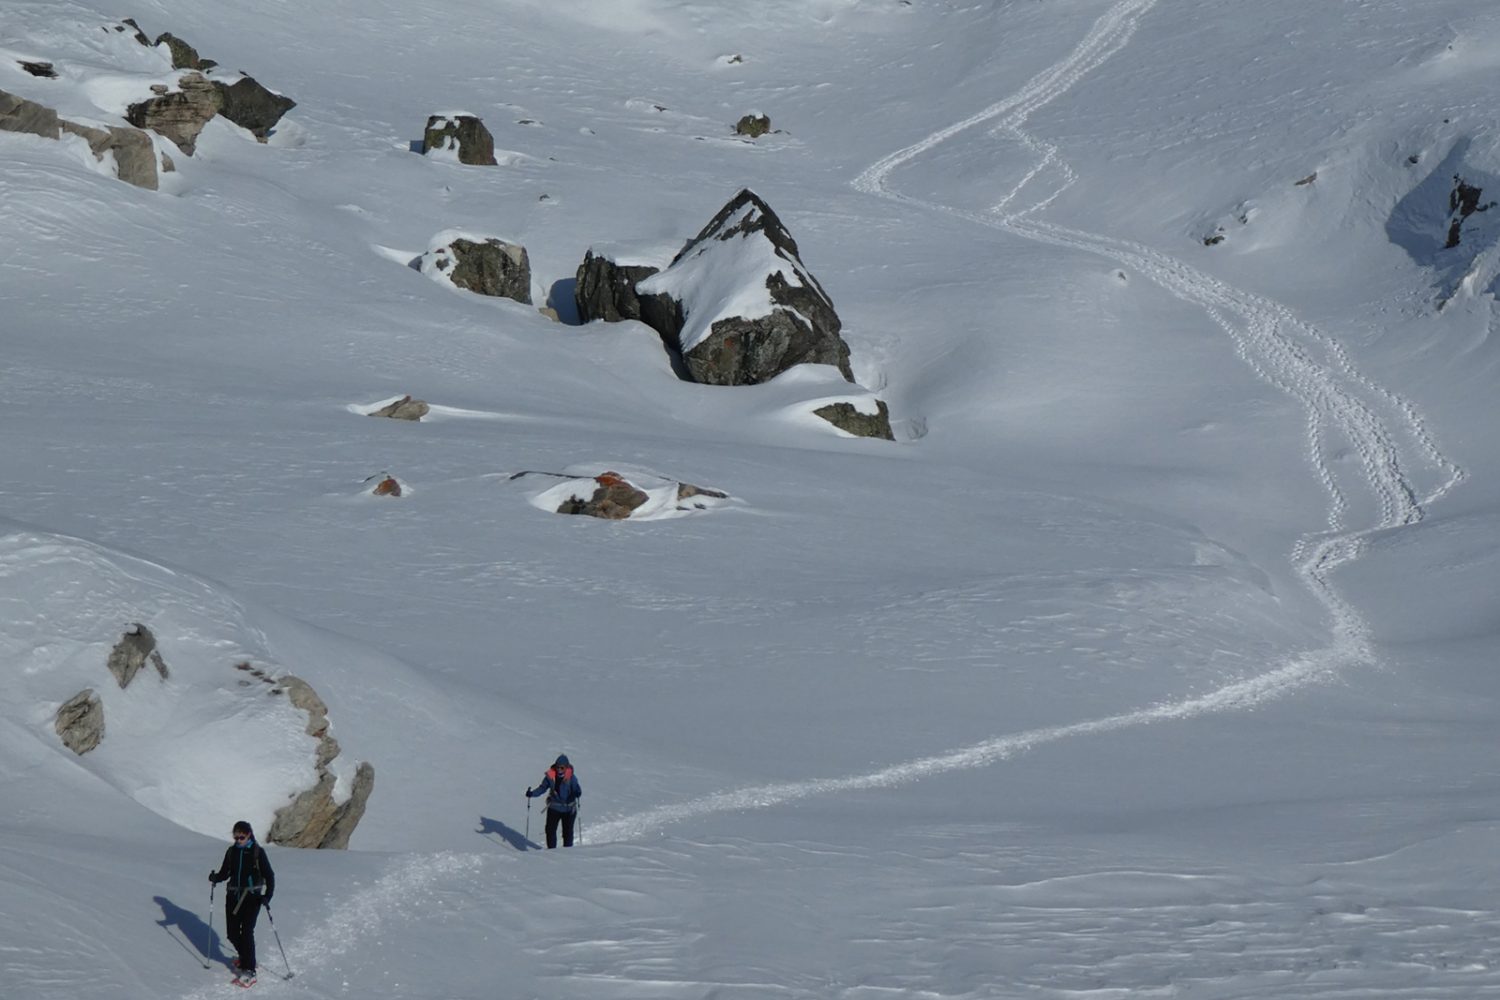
{"x": 493, "y": 827}
{"x": 195, "y": 937}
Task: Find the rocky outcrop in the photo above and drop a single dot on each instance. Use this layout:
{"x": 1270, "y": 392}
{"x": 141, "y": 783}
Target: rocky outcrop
{"x": 607, "y": 289}
{"x": 404, "y": 408}
{"x": 388, "y": 486}
{"x": 488, "y": 267}
{"x": 314, "y": 818}
{"x": 463, "y": 135}
{"x": 242, "y": 99}
{"x": 42, "y": 69}
{"x": 846, "y": 417}
{"x": 178, "y": 114}
{"x": 80, "y": 722}
{"x": 795, "y": 322}
{"x": 136, "y": 648}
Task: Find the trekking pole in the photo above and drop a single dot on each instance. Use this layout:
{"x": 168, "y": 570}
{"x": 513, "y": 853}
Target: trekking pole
{"x": 289, "y": 972}
{"x": 528, "y": 815}
{"x": 580, "y": 824}
{"x": 208, "y": 949}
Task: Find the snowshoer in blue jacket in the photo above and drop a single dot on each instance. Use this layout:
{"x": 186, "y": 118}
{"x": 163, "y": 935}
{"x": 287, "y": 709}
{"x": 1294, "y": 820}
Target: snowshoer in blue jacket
{"x": 251, "y": 885}
{"x": 563, "y": 792}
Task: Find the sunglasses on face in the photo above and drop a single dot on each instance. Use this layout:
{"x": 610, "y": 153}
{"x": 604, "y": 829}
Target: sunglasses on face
{"x": 241, "y": 836}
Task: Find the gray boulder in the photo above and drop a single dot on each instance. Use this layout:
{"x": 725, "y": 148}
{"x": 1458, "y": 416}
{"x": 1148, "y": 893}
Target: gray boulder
{"x": 136, "y": 648}
{"x": 753, "y": 125}
{"x": 184, "y": 56}
{"x": 80, "y": 722}
{"x": 798, "y": 324}
{"x": 464, "y": 134}
{"x": 488, "y": 267}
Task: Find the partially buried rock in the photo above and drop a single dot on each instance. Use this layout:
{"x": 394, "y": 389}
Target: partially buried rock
{"x": 846, "y": 417}
{"x": 314, "y": 818}
{"x": 754, "y": 125}
{"x": 251, "y": 106}
{"x": 404, "y": 408}
{"x": 614, "y": 499}
{"x": 80, "y": 722}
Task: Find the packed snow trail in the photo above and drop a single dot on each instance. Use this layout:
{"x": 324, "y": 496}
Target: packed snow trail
{"x": 1282, "y": 349}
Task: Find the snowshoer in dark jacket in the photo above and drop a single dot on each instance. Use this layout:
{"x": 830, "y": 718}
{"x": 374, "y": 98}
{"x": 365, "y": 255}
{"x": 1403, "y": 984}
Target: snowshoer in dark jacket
{"x": 563, "y": 792}
{"x": 252, "y": 883}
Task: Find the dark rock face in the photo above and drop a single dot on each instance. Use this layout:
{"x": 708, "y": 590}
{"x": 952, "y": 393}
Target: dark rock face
{"x": 251, "y": 106}
{"x": 42, "y": 69}
{"x": 135, "y": 649}
{"x": 800, "y": 328}
{"x": 80, "y": 722}
{"x": 1463, "y": 202}
{"x": 465, "y": 133}
{"x": 606, "y": 290}
{"x": 845, "y": 417}
{"x": 492, "y": 267}
{"x": 181, "y": 114}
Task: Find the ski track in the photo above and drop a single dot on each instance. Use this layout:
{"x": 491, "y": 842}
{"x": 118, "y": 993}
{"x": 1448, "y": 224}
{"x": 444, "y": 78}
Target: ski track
{"x": 1282, "y": 349}
{"x": 354, "y": 918}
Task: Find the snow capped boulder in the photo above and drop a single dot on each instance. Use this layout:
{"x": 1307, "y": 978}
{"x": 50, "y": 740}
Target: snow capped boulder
{"x": 749, "y": 308}
{"x": 462, "y": 137}
{"x": 184, "y": 56}
{"x": 20, "y": 115}
{"x": 486, "y": 265}
{"x": 80, "y": 722}
{"x": 178, "y": 114}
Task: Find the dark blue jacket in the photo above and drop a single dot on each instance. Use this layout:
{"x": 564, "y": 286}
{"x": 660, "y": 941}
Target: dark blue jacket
{"x": 247, "y": 868}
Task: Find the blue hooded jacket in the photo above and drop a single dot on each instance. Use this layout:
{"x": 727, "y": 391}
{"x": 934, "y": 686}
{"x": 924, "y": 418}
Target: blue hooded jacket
{"x": 561, "y": 787}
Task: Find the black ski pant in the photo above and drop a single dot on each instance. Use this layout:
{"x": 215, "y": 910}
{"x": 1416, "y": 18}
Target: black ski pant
{"x": 239, "y": 924}
{"x": 566, "y": 819}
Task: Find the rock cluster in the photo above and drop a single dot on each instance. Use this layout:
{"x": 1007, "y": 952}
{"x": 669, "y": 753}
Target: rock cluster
{"x": 135, "y": 155}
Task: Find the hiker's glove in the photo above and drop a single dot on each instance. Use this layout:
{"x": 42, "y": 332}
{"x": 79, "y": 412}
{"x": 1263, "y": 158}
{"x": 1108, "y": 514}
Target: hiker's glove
{"x": 528, "y": 791}
{"x": 214, "y": 878}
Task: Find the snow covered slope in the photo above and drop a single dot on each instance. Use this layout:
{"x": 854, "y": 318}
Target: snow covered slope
{"x": 1154, "y": 658}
